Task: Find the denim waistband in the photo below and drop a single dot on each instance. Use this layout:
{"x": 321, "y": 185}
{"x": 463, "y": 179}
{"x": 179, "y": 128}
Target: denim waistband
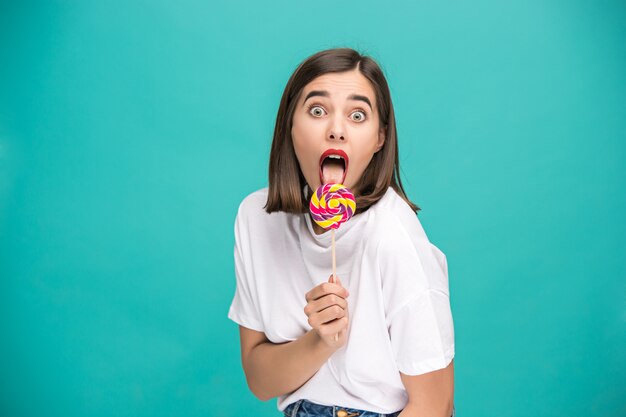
{"x": 306, "y": 408}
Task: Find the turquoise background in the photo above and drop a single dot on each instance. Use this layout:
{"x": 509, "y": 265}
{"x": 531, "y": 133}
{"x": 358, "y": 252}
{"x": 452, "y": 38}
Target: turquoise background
{"x": 130, "y": 132}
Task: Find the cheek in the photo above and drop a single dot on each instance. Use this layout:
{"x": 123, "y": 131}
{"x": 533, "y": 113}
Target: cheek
{"x": 296, "y": 137}
{"x": 302, "y": 148}
{"x": 363, "y": 159}
{"x": 302, "y": 135}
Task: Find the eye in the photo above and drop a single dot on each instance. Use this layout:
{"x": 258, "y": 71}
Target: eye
{"x": 359, "y": 116}
{"x": 316, "y": 111}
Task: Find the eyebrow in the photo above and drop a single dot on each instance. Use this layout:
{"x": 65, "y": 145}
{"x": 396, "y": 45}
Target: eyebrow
{"x": 324, "y": 93}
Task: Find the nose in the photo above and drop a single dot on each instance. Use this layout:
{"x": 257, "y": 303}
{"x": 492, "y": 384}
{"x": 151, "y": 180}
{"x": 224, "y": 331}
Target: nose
{"x": 336, "y": 129}
{"x": 336, "y": 134}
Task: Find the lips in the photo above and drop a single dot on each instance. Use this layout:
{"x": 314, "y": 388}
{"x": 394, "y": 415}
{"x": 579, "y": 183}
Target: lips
{"x": 333, "y": 169}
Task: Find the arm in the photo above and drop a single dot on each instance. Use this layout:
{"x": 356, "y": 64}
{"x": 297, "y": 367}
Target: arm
{"x": 430, "y": 394}
{"x": 277, "y": 369}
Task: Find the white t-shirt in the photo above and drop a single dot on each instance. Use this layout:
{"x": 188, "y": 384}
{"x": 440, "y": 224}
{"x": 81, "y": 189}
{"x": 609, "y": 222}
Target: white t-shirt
{"x": 399, "y": 308}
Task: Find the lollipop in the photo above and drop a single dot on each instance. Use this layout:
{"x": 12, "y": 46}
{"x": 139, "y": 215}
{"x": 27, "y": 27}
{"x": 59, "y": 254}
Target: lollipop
{"x": 331, "y": 205}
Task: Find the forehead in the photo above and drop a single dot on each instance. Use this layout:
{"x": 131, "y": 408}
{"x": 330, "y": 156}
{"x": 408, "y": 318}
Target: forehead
{"x": 341, "y": 85}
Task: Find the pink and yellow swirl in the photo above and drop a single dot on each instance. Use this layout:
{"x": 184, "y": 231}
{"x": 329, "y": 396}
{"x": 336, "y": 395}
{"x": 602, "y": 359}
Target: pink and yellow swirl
{"x": 331, "y": 205}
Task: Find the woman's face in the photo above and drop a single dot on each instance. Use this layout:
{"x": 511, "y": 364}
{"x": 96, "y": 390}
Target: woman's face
{"x": 336, "y": 116}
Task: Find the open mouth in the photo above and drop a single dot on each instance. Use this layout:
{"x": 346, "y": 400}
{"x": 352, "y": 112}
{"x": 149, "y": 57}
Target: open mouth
{"x": 333, "y": 166}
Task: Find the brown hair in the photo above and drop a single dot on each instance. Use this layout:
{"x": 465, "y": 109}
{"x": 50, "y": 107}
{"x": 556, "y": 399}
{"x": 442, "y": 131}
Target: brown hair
{"x": 286, "y": 181}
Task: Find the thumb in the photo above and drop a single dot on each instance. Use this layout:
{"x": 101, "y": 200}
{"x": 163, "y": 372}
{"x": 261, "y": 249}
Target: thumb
{"x": 335, "y": 280}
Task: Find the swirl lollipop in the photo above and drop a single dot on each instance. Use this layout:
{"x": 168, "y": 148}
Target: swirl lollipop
{"x": 331, "y": 205}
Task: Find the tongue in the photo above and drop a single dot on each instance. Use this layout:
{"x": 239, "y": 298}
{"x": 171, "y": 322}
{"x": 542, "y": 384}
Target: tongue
{"x": 332, "y": 171}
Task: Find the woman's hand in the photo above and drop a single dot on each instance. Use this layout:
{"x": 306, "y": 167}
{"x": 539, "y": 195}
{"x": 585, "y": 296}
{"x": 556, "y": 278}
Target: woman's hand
{"x": 327, "y": 310}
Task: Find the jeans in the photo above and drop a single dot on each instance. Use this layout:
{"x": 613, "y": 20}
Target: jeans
{"x": 305, "y": 408}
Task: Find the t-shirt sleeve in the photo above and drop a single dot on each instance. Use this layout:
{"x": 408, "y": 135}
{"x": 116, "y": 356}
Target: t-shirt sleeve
{"x": 419, "y": 317}
{"x": 422, "y": 334}
{"x": 244, "y": 307}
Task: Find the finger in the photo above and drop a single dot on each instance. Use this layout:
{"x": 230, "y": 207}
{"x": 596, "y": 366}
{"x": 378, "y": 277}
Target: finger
{"x": 334, "y": 327}
{"x": 338, "y": 281}
{"x": 329, "y": 300}
{"x": 324, "y": 289}
{"x": 325, "y": 316}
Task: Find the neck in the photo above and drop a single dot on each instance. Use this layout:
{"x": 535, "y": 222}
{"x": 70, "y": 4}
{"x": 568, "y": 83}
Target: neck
{"x": 317, "y": 228}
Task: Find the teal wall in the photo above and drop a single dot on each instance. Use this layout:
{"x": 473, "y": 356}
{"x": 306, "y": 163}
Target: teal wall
{"x": 130, "y": 132}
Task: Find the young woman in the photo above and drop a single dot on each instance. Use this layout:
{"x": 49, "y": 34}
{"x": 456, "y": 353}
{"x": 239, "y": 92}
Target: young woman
{"x": 389, "y": 305}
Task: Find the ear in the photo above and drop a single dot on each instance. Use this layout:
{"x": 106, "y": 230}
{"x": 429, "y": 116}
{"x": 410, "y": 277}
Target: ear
{"x": 381, "y": 138}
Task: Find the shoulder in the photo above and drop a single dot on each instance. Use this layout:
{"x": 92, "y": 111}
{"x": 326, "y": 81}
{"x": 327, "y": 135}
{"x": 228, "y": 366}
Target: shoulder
{"x": 253, "y": 204}
{"x": 252, "y": 217}
{"x": 400, "y": 233}
{"x": 396, "y": 220}
{"x": 248, "y": 214}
